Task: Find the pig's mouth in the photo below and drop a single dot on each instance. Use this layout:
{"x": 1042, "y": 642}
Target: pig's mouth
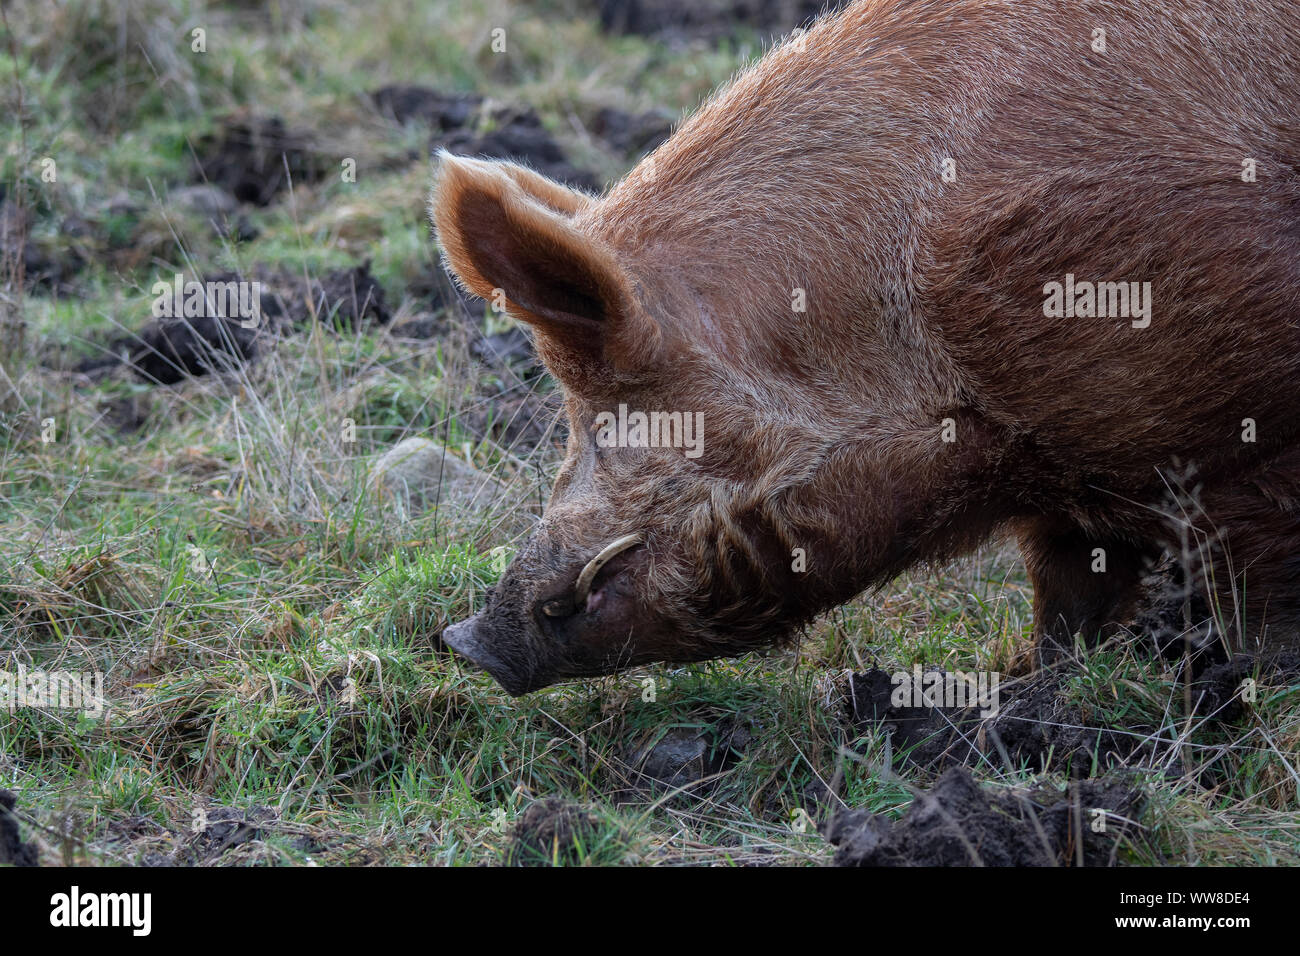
{"x": 513, "y": 667}
{"x": 463, "y": 639}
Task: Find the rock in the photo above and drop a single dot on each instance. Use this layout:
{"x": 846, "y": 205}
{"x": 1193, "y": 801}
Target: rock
{"x": 419, "y": 474}
{"x": 205, "y": 200}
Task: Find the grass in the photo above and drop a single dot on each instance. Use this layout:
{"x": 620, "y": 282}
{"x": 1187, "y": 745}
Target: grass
{"x": 266, "y": 623}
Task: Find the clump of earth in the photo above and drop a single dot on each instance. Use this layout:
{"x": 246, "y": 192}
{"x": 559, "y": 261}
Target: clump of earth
{"x": 550, "y": 831}
{"x": 13, "y": 851}
{"x": 255, "y": 158}
{"x": 959, "y": 823}
{"x": 167, "y": 349}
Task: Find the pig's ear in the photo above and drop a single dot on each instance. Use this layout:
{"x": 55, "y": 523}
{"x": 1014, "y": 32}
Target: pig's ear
{"x": 505, "y": 231}
{"x": 546, "y": 191}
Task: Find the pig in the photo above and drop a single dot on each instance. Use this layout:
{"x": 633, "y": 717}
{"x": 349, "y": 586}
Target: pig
{"x": 934, "y": 272}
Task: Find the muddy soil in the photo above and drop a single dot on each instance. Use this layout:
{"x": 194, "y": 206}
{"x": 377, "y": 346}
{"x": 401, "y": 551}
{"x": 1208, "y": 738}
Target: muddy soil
{"x": 166, "y": 350}
{"x": 517, "y": 133}
{"x": 412, "y": 103}
{"x": 518, "y": 418}
{"x": 212, "y": 832}
{"x": 220, "y": 829}
{"x": 509, "y": 408}
{"x": 631, "y": 134}
{"x": 468, "y": 125}
{"x": 1036, "y": 724}
{"x": 959, "y": 823}
{"x": 47, "y": 267}
{"x": 255, "y": 158}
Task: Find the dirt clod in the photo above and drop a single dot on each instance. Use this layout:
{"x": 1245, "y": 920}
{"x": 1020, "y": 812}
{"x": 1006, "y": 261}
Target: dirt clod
{"x": 552, "y": 830}
{"x": 13, "y": 851}
{"x": 1034, "y": 724}
{"x": 959, "y": 823}
{"x": 632, "y": 134}
{"x": 346, "y": 298}
{"x": 46, "y": 267}
{"x": 409, "y": 102}
{"x": 1038, "y": 724}
{"x": 686, "y": 755}
{"x": 219, "y": 829}
{"x": 254, "y": 158}
{"x": 168, "y": 349}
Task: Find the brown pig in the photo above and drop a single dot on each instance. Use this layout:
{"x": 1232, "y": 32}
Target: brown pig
{"x": 935, "y": 271}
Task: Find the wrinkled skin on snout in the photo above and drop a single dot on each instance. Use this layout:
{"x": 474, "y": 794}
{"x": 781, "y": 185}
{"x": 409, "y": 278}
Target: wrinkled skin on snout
{"x": 535, "y": 630}
{"x": 569, "y": 605}
{"x": 595, "y": 590}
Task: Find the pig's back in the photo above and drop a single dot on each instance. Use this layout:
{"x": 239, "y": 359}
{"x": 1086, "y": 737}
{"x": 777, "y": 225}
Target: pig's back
{"x": 1128, "y": 166}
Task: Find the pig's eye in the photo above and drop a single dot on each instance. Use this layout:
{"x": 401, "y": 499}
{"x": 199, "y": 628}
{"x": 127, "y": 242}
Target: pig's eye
{"x": 555, "y": 610}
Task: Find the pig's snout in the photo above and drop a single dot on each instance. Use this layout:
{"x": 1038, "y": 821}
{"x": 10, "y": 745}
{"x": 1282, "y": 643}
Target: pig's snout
{"x": 527, "y": 643}
{"x": 466, "y": 640}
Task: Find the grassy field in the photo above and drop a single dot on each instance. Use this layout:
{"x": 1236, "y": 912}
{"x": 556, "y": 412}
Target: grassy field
{"x": 266, "y": 617}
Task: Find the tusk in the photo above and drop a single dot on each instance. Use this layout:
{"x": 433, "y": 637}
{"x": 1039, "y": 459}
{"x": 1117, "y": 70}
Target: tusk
{"x": 614, "y": 548}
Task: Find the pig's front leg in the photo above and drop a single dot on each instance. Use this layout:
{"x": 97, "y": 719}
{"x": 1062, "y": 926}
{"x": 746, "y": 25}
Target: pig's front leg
{"x": 1083, "y": 585}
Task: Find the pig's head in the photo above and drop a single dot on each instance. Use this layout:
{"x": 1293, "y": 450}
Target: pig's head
{"x": 645, "y": 553}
